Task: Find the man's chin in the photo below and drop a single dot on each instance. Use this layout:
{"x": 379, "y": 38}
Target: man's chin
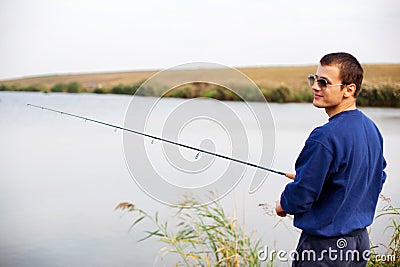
{"x": 318, "y": 105}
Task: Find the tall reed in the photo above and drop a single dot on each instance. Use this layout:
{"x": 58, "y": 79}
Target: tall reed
{"x": 204, "y": 235}
{"x": 392, "y": 256}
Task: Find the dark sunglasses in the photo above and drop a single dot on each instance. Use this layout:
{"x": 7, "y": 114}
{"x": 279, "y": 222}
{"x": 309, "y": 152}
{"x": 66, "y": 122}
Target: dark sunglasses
{"x": 321, "y": 82}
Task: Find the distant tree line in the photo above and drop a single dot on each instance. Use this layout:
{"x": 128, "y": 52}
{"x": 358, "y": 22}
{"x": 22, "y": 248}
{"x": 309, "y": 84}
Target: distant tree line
{"x": 383, "y": 95}
{"x": 73, "y": 87}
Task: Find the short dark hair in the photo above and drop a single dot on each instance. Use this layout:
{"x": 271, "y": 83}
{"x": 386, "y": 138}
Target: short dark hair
{"x": 350, "y": 69}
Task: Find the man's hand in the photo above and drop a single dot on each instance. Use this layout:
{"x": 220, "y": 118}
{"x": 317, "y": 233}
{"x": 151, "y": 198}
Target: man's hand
{"x": 279, "y": 211}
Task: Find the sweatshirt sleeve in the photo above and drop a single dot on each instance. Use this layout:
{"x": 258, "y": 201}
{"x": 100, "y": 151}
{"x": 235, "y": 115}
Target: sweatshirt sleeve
{"x": 383, "y": 174}
{"x": 312, "y": 167}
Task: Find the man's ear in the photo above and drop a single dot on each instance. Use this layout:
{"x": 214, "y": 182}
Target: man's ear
{"x": 349, "y": 90}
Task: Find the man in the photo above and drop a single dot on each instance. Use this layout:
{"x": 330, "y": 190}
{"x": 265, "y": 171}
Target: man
{"x": 339, "y": 172}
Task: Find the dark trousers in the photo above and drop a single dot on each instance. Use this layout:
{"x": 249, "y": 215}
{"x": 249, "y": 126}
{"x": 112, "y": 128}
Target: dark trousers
{"x": 347, "y": 250}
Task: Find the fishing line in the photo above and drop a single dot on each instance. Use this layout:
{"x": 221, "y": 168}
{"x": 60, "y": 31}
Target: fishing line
{"x": 199, "y": 150}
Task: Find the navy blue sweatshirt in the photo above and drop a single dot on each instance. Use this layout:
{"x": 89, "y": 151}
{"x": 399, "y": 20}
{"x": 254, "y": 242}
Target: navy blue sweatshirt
{"x": 339, "y": 175}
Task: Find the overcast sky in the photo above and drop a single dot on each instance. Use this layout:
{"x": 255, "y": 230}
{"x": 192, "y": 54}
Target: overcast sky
{"x": 74, "y": 36}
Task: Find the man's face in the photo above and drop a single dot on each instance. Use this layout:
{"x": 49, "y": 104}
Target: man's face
{"x": 330, "y": 96}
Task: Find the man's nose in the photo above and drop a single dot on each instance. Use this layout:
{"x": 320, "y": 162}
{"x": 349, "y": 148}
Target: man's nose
{"x": 315, "y": 87}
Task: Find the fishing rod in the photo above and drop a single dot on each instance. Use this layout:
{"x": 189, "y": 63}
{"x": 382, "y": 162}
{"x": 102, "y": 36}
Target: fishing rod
{"x": 288, "y": 175}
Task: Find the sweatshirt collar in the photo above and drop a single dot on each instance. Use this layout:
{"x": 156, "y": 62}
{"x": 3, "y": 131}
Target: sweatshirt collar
{"x": 345, "y": 113}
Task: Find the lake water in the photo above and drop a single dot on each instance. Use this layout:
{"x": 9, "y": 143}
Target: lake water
{"x": 61, "y": 178}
